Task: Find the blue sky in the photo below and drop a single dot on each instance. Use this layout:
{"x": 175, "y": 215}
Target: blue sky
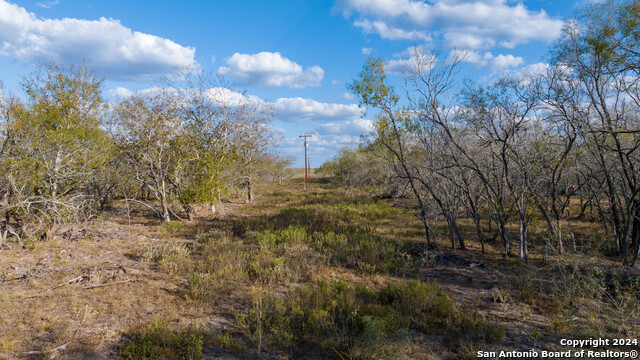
{"x": 297, "y": 55}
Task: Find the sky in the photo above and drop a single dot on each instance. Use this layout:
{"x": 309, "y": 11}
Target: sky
{"x": 299, "y": 56}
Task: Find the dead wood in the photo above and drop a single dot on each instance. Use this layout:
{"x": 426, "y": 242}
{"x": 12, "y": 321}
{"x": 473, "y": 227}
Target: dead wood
{"x": 76, "y": 279}
{"x": 108, "y": 284}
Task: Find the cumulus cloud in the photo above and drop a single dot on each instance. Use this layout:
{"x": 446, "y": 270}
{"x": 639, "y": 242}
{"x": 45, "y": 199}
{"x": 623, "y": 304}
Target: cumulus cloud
{"x": 354, "y": 127}
{"x": 120, "y": 93}
{"x": 287, "y": 109}
{"x": 506, "y": 61}
{"x": 116, "y": 51}
{"x": 487, "y": 59}
{"x": 539, "y": 68}
{"x": 475, "y": 24}
{"x": 301, "y": 110}
{"x": 412, "y": 59}
{"x": 387, "y": 32}
{"x": 321, "y": 146}
{"x": 270, "y": 69}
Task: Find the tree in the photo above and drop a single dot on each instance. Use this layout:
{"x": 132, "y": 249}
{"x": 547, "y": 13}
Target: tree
{"x": 349, "y": 168}
{"x": 147, "y": 132}
{"x": 373, "y": 91}
{"x": 53, "y": 145}
{"x": 599, "y": 50}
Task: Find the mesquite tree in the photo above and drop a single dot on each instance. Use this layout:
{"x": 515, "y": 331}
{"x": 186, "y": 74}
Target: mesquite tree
{"x": 53, "y": 144}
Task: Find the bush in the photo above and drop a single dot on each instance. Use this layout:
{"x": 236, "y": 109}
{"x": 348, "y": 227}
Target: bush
{"x": 158, "y": 252}
{"x": 172, "y": 257}
{"x": 339, "y": 318}
{"x": 157, "y": 341}
{"x": 211, "y": 236}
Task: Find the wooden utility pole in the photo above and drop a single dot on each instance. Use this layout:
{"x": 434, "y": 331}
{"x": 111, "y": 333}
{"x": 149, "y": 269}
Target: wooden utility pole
{"x": 306, "y": 169}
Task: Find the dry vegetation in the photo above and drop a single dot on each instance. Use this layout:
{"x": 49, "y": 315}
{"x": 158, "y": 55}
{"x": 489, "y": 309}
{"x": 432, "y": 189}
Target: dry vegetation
{"x": 299, "y": 275}
{"x": 123, "y": 233}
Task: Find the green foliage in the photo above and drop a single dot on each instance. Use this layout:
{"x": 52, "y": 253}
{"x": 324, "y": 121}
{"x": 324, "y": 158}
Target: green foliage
{"x": 329, "y": 230}
{"x": 574, "y": 284}
{"x": 53, "y": 145}
{"x": 372, "y": 87}
{"x": 160, "y": 251}
{"x": 158, "y": 341}
{"x": 608, "y": 246}
{"x": 172, "y": 257}
{"x": 339, "y": 318}
{"x": 213, "y": 235}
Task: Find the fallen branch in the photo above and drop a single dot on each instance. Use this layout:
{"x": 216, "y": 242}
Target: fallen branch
{"x": 67, "y": 282}
{"x": 22, "y": 277}
{"x": 108, "y": 284}
{"x": 37, "y": 352}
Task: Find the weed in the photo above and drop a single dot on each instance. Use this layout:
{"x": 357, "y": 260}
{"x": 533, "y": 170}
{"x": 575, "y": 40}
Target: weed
{"x": 173, "y": 257}
{"x": 500, "y": 296}
{"x": 174, "y": 228}
{"x": 212, "y": 235}
{"x": 157, "y": 252}
{"x": 342, "y": 319}
{"x": 157, "y": 341}
{"x": 229, "y": 342}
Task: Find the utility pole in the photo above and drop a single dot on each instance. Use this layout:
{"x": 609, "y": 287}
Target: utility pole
{"x": 306, "y": 169}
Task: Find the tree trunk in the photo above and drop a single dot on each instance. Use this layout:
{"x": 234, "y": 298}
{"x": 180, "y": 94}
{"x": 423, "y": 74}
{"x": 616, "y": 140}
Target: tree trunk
{"x": 505, "y": 237}
{"x": 427, "y": 228}
{"x": 558, "y": 232}
{"x": 164, "y": 203}
{"x": 635, "y": 238}
{"x": 249, "y": 190}
{"x": 523, "y": 253}
{"x": 479, "y": 232}
{"x": 190, "y": 212}
{"x": 458, "y": 235}
{"x": 166, "y": 216}
{"x": 624, "y": 248}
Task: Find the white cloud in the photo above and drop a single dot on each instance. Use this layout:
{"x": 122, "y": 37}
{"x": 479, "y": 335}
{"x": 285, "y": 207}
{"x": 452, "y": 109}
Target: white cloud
{"x": 539, "y": 68}
{"x": 506, "y": 61}
{"x": 467, "y": 41}
{"x": 48, "y": 4}
{"x": 496, "y": 63}
{"x": 121, "y": 93}
{"x": 114, "y": 50}
{"x": 354, "y": 127}
{"x": 472, "y": 24}
{"x": 223, "y": 95}
{"x": 301, "y": 110}
{"x": 327, "y": 139}
{"x": 270, "y": 69}
{"x": 412, "y": 59}
{"x": 287, "y": 109}
{"x": 386, "y": 32}
{"x": 366, "y": 51}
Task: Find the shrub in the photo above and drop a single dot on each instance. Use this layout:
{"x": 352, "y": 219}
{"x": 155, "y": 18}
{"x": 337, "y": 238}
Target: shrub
{"x": 172, "y": 257}
{"x": 212, "y": 236}
{"x": 160, "y": 251}
{"x": 339, "y": 318}
{"x": 157, "y": 341}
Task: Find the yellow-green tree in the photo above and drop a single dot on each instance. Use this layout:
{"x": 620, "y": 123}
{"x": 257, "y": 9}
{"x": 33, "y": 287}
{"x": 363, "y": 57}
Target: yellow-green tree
{"x": 54, "y": 143}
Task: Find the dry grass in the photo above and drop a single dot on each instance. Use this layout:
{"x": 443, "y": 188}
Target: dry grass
{"x": 209, "y": 271}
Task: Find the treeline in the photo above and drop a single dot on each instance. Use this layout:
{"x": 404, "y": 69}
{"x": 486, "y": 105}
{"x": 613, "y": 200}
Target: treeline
{"x": 526, "y": 147}
{"x": 65, "y": 152}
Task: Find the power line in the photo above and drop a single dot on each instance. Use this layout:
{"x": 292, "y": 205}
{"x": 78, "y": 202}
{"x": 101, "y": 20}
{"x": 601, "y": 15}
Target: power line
{"x": 306, "y": 169}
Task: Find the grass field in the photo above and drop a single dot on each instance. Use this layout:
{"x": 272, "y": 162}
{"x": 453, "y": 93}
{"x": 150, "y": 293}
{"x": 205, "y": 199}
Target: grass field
{"x": 300, "y": 274}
